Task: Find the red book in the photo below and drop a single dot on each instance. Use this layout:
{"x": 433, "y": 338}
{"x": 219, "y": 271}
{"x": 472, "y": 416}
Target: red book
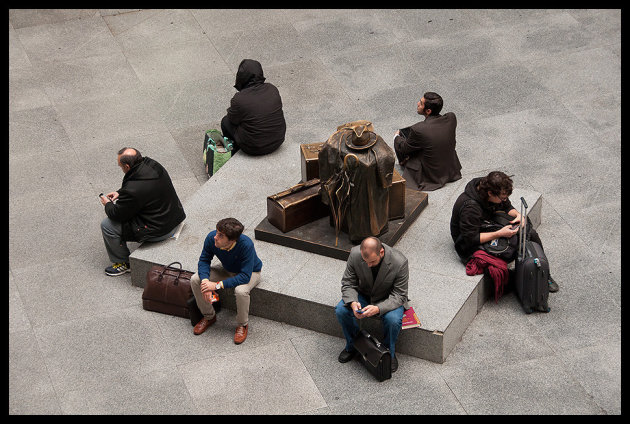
{"x": 410, "y": 319}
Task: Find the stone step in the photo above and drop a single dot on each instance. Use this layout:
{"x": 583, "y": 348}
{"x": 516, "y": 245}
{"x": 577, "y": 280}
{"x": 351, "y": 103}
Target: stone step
{"x": 302, "y": 288}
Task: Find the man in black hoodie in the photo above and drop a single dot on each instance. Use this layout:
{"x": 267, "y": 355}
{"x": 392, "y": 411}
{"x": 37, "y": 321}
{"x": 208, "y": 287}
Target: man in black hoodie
{"x": 481, "y": 198}
{"x": 254, "y": 120}
{"x": 145, "y": 208}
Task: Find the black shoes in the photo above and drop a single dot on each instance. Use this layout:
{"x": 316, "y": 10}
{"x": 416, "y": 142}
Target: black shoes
{"x": 346, "y": 356}
{"x": 394, "y": 364}
{"x": 553, "y": 286}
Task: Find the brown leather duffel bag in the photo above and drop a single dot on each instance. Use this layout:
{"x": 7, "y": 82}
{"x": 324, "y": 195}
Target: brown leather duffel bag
{"x": 167, "y": 290}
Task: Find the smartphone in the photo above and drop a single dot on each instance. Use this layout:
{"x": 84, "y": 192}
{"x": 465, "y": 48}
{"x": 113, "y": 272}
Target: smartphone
{"x": 359, "y": 311}
{"x": 515, "y": 227}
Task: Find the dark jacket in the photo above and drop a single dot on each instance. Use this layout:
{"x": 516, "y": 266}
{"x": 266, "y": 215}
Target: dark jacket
{"x": 256, "y": 111}
{"x": 429, "y": 151}
{"x": 389, "y": 290}
{"x": 467, "y": 217}
{"x": 147, "y": 204}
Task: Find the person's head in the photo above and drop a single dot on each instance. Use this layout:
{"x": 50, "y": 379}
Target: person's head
{"x": 250, "y": 72}
{"x": 496, "y": 187}
{"x": 228, "y": 231}
{"x": 430, "y": 104}
{"x": 128, "y": 157}
{"x": 372, "y": 251}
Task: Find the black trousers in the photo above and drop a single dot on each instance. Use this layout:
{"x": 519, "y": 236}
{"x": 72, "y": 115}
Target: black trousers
{"x": 228, "y": 129}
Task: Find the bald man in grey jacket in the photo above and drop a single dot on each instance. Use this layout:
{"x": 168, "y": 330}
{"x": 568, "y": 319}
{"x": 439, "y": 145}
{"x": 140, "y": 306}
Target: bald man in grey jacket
{"x": 375, "y": 282}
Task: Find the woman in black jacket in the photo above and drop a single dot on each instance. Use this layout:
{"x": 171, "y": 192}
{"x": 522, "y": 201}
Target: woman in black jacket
{"x": 254, "y": 120}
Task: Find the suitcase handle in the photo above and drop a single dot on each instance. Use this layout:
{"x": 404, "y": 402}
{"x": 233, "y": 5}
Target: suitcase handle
{"x": 522, "y": 230}
{"x": 295, "y": 188}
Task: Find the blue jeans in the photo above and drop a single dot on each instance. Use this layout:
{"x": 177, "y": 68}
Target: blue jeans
{"x": 392, "y": 324}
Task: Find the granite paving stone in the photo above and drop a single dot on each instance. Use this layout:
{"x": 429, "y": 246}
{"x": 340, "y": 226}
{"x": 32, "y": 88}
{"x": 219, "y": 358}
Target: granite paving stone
{"x": 537, "y": 94}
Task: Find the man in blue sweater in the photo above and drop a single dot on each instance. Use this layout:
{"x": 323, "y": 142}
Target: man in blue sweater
{"x": 241, "y": 271}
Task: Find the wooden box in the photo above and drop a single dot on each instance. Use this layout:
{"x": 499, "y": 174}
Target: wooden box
{"x": 296, "y": 206}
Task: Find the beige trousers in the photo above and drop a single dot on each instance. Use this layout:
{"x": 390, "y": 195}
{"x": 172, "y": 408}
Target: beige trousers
{"x": 241, "y": 292}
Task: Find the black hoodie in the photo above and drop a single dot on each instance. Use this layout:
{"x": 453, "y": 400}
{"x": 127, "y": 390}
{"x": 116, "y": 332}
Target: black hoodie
{"x": 256, "y": 111}
{"x": 467, "y": 217}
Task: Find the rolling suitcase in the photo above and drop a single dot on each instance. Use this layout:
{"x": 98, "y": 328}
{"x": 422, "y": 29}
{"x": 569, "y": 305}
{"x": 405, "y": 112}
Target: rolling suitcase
{"x": 531, "y": 271}
{"x": 374, "y": 355}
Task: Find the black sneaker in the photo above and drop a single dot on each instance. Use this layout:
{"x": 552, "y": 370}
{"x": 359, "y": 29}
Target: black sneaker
{"x": 346, "y": 356}
{"x": 553, "y": 286}
{"x": 117, "y": 269}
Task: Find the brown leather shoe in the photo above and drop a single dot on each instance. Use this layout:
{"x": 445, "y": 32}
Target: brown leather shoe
{"x": 203, "y": 325}
{"x": 241, "y": 334}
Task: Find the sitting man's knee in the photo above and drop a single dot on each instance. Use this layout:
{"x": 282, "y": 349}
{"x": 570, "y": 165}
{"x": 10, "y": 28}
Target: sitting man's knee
{"x": 341, "y": 309}
{"x": 392, "y": 319}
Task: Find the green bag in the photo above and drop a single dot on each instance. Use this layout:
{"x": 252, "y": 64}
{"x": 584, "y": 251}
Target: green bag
{"x": 216, "y": 151}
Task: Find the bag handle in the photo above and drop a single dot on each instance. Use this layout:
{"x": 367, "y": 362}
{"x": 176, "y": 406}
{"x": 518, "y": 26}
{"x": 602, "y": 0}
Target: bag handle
{"x": 225, "y": 142}
{"x": 181, "y": 269}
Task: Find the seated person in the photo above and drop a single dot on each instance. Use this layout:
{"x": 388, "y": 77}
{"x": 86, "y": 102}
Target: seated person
{"x": 426, "y": 150}
{"x": 145, "y": 208}
{"x": 375, "y": 283}
{"x": 254, "y": 120}
{"x": 241, "y": 271}
{"x": 489, "y": 194}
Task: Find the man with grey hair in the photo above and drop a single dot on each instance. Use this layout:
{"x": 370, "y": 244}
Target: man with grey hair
{"x": 144, "y": 208}
{"x": 375, "y": 282}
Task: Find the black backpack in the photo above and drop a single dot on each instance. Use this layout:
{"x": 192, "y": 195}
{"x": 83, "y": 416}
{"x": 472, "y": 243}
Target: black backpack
{"x": 501, "y": 247}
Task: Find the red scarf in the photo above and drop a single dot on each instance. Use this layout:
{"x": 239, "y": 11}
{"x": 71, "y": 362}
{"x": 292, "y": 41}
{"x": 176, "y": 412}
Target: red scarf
{"x": 497, "y": 268}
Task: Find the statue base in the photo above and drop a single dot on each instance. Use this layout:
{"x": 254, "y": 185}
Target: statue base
{"x": 319, "y": 236}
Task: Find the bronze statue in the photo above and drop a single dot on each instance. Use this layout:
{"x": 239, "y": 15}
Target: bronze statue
{"x": 356, "y": 167}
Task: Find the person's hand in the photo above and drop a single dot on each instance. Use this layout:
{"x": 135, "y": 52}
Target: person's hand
{"x": 370, "y": 310}
{"x": 112, "y": 196}
{"x": 208, "y": 286}
{"x": 355, "y": 306}
{"x": 507, "y": 231}
{"x": 516, "y": 220}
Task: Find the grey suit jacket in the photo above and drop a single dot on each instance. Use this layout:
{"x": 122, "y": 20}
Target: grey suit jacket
{"x": 388, "y": 292}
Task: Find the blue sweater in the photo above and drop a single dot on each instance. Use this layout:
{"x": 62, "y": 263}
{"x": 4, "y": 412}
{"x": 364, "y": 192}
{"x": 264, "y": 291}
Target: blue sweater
{"x": 241, "y": 260}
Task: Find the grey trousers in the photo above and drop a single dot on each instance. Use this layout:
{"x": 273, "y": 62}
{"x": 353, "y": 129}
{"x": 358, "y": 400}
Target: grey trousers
{"x": 241, "y": 292}
{"x": 117, "y": 249}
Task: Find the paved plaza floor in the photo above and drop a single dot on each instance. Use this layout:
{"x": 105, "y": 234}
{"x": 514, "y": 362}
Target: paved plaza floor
{"x": 537, "y": 94}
